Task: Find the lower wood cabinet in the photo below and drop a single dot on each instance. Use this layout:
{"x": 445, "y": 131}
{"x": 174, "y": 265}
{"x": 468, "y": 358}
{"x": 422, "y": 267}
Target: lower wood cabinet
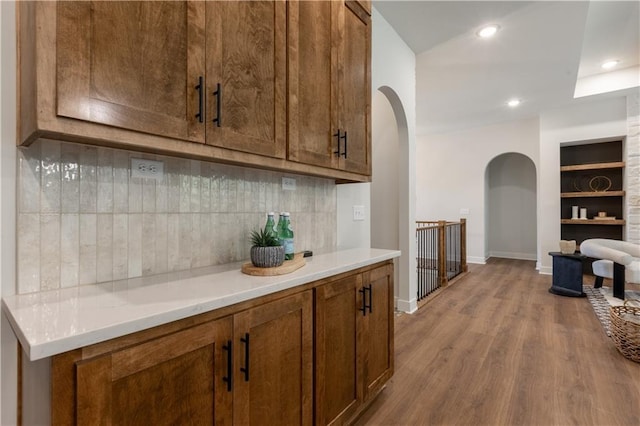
{"x": 354, "y": 343}
{"x": 252, "y": 363}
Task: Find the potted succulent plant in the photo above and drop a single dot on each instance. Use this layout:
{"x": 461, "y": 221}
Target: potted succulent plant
{"x": 266, "y": 250}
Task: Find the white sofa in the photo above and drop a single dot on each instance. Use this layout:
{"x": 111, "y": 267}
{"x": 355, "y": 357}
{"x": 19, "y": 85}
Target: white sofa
{"x": 619, "y": 261}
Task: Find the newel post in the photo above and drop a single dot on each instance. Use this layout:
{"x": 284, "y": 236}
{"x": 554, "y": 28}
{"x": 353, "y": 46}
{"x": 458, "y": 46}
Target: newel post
{"x": 463, "y": 245}
{"x": 442, "y": 253}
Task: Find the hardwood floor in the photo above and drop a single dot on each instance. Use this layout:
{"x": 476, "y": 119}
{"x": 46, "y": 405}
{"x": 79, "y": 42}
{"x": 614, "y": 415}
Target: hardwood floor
{"x": 497, "y": 349}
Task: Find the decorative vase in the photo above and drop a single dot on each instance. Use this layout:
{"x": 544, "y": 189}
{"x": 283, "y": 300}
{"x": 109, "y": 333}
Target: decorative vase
{"x": 567, "y": 246}
{"x": 267, "y": 257}
{"x": 574, "y": 212}
{"x": 583, "y": 213}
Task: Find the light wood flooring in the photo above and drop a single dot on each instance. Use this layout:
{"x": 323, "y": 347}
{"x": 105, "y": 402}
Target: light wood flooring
{"x": 497, "y": 349}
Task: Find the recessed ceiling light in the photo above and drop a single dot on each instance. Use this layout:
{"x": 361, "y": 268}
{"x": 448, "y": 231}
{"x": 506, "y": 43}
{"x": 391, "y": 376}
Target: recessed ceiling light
{"x": 513, "y": 103}
{"x": 607, "y": 65}
{"x": 488, "y": 31}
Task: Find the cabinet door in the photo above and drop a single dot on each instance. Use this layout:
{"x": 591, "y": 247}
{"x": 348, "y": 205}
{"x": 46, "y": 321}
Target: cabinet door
{"x": 246, "y": 76}
{"x": 133, "y": 65}
{"x": 378, "y": 329}
{"x": 338, "y": 366}
{"x": 312, "y": 90}
{"x": 354, "y": 90}
{"x": 175, "y": 379}
{"x": 274, "y": 363}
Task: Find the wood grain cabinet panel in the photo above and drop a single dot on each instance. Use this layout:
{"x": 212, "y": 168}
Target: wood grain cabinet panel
{"x": 338, "y": 369}
{"x": 175, "y": 379}
{"x": 329, "y": 97}
{"x": 354, "y": 343}
{"x": 274, "y": 363}
{"x": 133, "y": 65}
{"x": 378, "y": 329}
{"x": 246, "y": 76}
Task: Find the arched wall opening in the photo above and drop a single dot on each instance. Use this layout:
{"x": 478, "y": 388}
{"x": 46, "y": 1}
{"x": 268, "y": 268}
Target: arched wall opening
{"x": 391, "y": 226}
{"x": 511, "y": 207}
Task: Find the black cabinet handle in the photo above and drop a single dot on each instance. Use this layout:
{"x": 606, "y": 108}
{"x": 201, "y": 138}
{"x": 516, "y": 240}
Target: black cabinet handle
{"x": 245, "y": 369}
{"x": 344, "y": 138}
{"x": 370, "y": 298}
{"x": 218, "y": 95}
{"x": 363, "y": 290}
{"x": 338, "y": 137}
{"x": 200, "y": 88}
{"x": 228, "y": 379}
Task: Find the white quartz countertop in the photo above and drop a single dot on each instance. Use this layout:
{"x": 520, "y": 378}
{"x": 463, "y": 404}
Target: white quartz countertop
{"x": 52, "y": 322}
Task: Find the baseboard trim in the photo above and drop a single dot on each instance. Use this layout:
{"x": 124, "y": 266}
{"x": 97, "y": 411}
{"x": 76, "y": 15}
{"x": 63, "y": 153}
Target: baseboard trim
{"x": 408, "y": 306}
{"x": 512, "y": 255}
{"x": 477, "y": 260}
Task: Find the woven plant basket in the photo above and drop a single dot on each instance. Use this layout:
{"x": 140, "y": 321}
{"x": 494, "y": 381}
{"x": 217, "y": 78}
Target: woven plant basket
{"x": 625, "y": 330}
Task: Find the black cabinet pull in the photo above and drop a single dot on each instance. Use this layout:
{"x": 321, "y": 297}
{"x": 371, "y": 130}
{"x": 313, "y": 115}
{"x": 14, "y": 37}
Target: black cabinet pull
{"x": 363, "y": 290}
{"x": 370, "y": 298}
{"x": 344, "y": 138}
{"x": 228, "y": 379}
{"x": 218, "y": 95}
{"x": 245, "y": 369}
{"x": 338, "y": 137}
{"x": 200, "y": 88}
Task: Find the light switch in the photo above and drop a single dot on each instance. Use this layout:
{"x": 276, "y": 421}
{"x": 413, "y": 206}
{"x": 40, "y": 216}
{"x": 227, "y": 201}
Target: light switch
{"x": 358, "y": 213}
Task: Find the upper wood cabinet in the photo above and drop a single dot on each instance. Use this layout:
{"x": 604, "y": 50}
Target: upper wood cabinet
{"x": 263, "y": 84}
{"x": 330, "y": 85}
{"x": 133, "y": 65}
{"x": 246, "y": 76}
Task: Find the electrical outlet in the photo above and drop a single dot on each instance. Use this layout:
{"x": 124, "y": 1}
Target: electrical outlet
{"x": 288, "y": 184}
{"x": 464, "y": 210}
{"x": 147, "y": 169}
{"x": 358, "y": 213}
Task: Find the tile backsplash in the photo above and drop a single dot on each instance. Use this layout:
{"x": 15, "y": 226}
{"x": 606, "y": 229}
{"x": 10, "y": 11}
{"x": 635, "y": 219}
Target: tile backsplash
{"x": 82, "y": 219}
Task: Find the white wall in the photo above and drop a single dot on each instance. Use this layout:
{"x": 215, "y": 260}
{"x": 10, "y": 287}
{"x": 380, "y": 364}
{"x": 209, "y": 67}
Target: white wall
{"x": 393, "y": 70}
{"x": 8, "y": 345}
{"x": 511, "y": 207}
{"x": 583, "y": 122}
{"x": 450, "y": 174}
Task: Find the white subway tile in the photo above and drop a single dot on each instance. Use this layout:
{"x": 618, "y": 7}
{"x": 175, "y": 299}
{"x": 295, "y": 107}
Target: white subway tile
{"x": 28, "y": 253}
{"x": 29, "y": 179}
{"x": 49, "y": 251}
{"x": 120, "y": 181}
{"x": 173, "y": 241}
{"x": 104, "y": 249}
{"x": 69, "y": 249}
{"x": 149, "y": 195}
{"x": 161, "y": 241}
{"x": 50, "y": 177}
{"x": 105, "y": 182}
{"x": 88, "y": 249}
{"x": 70, "y": 178}
{"x": 135, "y": 246}
{"x": 88, "y": 179}
{"x": 148, "y": 243}
{"x": 120, "y": 247}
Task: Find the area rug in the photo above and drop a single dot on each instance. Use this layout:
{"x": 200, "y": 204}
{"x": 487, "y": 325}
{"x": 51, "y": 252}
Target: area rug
{"x": 602, "y": 299}
{"x": 600, "y": 306}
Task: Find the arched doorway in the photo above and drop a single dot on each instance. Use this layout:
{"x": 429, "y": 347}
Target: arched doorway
{"x": 392, "y": 219}
{"x": 511, "y": 207}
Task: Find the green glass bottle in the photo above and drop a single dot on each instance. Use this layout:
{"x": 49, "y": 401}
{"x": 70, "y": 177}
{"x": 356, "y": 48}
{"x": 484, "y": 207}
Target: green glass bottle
{"x": 287, "y": 237}
{"x": 270, "y": 226}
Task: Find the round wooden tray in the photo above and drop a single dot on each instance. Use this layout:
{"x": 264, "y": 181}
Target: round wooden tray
{"x": 287, "y": 267}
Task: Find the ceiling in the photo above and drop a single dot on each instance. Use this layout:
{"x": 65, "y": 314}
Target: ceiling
{"x": 546, "y": 53}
